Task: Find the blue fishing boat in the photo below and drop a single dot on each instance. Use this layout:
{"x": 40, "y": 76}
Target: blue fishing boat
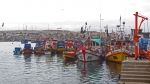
{"x": 27, "y": 49}
{"x": 17, "y": 51}
{"x": 60, "y": 46}
{"x": 38, "y": 48}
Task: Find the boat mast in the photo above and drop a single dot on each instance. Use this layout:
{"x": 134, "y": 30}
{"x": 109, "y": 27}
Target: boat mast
{"x": 100, "y": 26}
{"x": 120, "y": 29}
{"x": 100, "y": 31}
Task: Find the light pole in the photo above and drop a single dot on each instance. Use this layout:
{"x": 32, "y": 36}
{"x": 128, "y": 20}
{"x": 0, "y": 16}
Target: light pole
{"x": 23, "y": 26}
{"x": 100, "y": 25}
{"x": 48, "y": 26}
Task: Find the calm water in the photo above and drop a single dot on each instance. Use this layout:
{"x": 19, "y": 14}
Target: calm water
{"x": 52, "y": 69}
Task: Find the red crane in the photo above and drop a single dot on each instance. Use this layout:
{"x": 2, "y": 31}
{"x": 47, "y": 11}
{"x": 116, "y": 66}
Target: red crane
{"x": 136, "y": 36}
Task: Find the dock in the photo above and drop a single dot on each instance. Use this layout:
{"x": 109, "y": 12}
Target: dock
{"x": 135, "y": 71}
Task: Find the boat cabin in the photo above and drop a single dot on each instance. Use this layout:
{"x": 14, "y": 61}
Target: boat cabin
{"x": 117, "y": 44}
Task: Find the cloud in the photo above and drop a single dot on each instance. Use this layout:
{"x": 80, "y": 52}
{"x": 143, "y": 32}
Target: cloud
{"x": 38, "y": 14}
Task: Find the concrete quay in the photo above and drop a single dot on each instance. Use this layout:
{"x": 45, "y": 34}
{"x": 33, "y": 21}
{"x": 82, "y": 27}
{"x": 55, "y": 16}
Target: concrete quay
{"x": 135, "y": 71}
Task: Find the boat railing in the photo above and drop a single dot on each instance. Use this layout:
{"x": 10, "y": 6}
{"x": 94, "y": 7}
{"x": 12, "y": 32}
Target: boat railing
{"x": 119, "y": 50}
{"x": 126, "y": 51}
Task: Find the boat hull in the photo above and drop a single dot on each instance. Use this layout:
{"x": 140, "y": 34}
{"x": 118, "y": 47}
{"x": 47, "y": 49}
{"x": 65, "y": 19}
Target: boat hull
{"x": 17, "y": 52}
{"x": 47, "y": 52}
{"x": 52, "y": 50}
{"x": 88, "y": 55}
{"x": 60, "y": 50}
{"x": 69, "y": 55}
{"x": 27, "y": 51}
{"x": 39, "y": 51}
{"x": 117, "y": 56}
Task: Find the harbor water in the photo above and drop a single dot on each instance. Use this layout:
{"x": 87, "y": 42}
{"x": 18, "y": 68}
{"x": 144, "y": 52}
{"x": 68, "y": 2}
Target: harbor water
{"x": 52, "y": 69}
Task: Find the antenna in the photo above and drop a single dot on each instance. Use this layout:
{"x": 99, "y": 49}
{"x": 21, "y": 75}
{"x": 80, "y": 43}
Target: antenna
{"x": 48, "y": 26}
{"x": 147, "y": 26}
{"x": 125, "y": 13}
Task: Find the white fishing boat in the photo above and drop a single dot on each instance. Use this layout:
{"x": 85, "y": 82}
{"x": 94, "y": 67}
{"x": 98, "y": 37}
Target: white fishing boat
{"x": 89, "y": 51}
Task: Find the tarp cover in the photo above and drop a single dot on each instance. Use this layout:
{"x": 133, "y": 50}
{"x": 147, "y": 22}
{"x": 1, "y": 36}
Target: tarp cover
{"x": 95, "y": 40}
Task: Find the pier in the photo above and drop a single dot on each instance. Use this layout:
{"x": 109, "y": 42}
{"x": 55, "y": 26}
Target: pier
{"x": 135, "y": 71}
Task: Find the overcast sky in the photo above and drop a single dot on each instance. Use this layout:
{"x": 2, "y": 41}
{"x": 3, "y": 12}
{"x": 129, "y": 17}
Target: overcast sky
{"x": 71, "y": 14}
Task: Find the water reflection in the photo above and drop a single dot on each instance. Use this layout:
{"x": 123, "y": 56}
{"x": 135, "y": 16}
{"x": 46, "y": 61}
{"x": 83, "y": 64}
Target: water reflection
{"x": 89, "y": 71}
{"x": 39, "y": 55}
{"x": 53, "y": 69}
{"x": 69, "y": 62}
{"x": 114, "y": 69}
{"x": 52, "y": 54}
{"x": 17, "y": 56}
{"x": 87, "y": 68}
{"x": 27, "y": 57}
{"x": 60, "y": 57}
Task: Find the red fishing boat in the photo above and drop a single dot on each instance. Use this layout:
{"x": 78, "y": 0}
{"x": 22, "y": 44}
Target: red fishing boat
{"x": 69, "y": 53}
{"x": 53, "y": 45}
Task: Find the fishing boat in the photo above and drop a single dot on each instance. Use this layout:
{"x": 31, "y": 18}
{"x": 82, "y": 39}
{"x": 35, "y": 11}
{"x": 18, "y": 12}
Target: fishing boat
{"x": 118, "y": 47}
{"x": 17, "y": 51}
{"x": 47, "y": 47}
{"x": 27, "y": 49}
{"x": 69, "y": 53}
{"x": 38, "y": 48}
{"x": 118, "y": 52}
{"x": 53, "y": 44}
{"x": 60, "y": 47}
{"x": 89, "y": 51}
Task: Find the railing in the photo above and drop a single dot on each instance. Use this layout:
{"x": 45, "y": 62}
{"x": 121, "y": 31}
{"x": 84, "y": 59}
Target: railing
{"x": 119, "y": 50}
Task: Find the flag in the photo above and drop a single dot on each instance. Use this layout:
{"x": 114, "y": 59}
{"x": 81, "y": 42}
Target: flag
{"x": 2, "y": 24}
{"x": 120, "y": 17}
{"x": 85, "y": 23}
{"x": 81, "y": 29}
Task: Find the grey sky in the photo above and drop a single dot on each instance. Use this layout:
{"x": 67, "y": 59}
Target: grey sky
{"x": 70, "y": 14}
